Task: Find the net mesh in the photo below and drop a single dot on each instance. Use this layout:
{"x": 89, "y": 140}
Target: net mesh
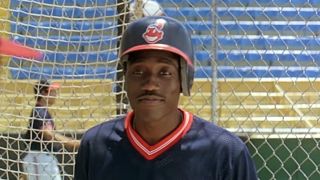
{"x": 79, "y": 40}
{"x": 256, "y": 73}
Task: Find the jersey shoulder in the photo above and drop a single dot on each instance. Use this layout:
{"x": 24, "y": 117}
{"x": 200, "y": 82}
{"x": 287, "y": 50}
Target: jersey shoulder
{"x": 41, "y": 113}
{"x": 217, "y": 136}
{"x": 224, "y": 150}
{"x": 112, "y": 128}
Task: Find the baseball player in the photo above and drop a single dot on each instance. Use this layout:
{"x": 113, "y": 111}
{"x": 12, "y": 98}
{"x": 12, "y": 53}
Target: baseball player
{"x": 40, "y": 163}
{"x": 157, "y": 140}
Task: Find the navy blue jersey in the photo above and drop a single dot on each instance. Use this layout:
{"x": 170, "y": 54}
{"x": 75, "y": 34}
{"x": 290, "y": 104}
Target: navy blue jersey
{"x": 196, "y": 150}
{"x": 38, "y": 118}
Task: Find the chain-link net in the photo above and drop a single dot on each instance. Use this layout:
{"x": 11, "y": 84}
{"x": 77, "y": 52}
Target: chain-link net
{"x": 79, "y": 40}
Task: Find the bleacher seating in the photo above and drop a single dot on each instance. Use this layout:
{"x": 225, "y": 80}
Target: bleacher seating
{"x": 251, "y": 12}
{"x": 80, "y": 57}
{"x": 262, "y": 26}
{"x": 249, "y": 32}
{"x": 46, "y": 26}
{"x": 71, "y": 12}
{"x": 222, "y": 12}
{"x": 98, "y": 40}
{"x": 257, "y": 27}
{"x": 259, "y": 72}
{"x": 80, "y": 72}
{"x": 75, "y": 40}
{"x": 96, "y": 57}
{"x": 63, "y": 72}
{"x": 183, "y": 2}
{"x": 202, "y": 56}
{"x": 245, "y": 32}
{"x": 274, "y": 2}
{"x": 68, "y": 2}
{"x": 247, "y": 2}
{"x": 269, "y": 56}
{"x": 204, "y": 12}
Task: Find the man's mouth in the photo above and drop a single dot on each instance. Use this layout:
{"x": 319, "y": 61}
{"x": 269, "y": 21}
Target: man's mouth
{"x": 150, "y": 99}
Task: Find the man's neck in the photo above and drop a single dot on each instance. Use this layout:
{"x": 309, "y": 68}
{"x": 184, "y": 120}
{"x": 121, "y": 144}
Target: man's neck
{"x": 152, "y": 131}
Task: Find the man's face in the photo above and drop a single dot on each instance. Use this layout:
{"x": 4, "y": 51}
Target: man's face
{"x": 49, "y": 96}
{"x": 153, "y": 82}
{"x": 52, "y": 96}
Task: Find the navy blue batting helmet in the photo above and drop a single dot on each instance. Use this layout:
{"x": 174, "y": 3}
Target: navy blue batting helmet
{"x": 161, "y": 33}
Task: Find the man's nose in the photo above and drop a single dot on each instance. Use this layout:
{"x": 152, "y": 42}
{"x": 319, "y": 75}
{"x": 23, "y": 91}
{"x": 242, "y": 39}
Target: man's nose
{"x": 151, "y": 83}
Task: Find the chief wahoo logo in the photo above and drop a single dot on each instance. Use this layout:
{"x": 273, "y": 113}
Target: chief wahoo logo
{"x": 154, "y": 31}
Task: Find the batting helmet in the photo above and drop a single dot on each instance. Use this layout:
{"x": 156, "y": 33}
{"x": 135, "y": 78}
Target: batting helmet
{"x": 161, "y": 33}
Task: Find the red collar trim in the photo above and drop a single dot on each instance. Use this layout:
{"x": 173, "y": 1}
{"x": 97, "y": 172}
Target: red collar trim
{"x": 151, "y": 152}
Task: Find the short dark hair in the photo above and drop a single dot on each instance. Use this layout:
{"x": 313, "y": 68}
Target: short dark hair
{"x": 42, "y": 85}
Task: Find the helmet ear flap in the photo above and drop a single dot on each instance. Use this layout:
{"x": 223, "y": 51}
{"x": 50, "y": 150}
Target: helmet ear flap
{"x": 186, "y": 75}
{"x": 122, "y": 64}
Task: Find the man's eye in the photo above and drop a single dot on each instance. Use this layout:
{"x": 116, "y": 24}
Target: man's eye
{"x": 165, "y": 73}
{"x": 137, "y": 72}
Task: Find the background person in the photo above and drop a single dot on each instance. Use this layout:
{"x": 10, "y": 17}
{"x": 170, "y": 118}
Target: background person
{"x": 40, "y": 163}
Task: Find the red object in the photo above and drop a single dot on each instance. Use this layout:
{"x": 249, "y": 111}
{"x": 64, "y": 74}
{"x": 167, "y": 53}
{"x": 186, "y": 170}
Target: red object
{"x": 11, "y": 48}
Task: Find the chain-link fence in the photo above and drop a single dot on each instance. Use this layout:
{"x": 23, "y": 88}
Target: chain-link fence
{"x": 261, "y": 59}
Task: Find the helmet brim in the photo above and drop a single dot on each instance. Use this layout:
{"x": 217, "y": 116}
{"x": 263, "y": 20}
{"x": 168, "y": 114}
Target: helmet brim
{"x": 162, "y": 47}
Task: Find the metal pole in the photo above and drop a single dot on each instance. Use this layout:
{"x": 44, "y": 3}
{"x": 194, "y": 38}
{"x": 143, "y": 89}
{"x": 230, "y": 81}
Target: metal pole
{"x": 214, "y": 84}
